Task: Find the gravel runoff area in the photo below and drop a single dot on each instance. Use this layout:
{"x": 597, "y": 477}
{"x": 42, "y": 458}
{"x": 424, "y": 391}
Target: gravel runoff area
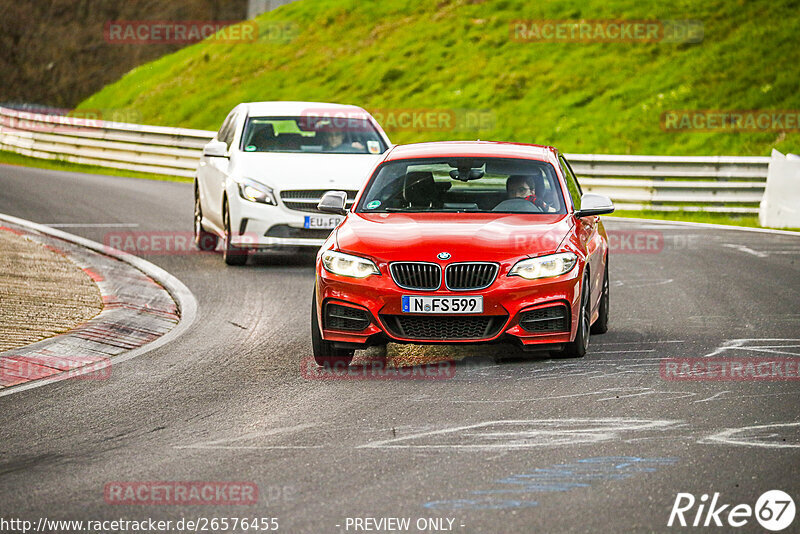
{"x": 42, "y": 292}
{"x": 138, "y": 314}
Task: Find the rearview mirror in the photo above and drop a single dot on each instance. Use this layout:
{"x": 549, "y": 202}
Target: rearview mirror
{"x": 465, "y": 175}
{"x": 216, "y": 149}
{"x": 333, "y": 202}
{"x": 594, "y": 204}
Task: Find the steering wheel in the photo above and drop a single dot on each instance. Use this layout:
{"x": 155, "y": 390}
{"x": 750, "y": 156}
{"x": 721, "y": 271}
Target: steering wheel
{"x": 517, "y": 205}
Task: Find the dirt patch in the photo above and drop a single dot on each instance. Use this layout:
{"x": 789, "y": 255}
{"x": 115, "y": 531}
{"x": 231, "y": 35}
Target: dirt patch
{"x": 42, "y": 292}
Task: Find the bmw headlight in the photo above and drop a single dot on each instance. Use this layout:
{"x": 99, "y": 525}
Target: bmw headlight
{"x": 545, "y": 266}
{"x": 348, "y": 265}
{"x": 256, "y": 192}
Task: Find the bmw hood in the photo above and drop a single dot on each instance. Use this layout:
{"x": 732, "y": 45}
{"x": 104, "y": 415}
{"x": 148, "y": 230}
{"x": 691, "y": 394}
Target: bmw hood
{"x": 464, "y": 236}
{"x": 306, "y": 171}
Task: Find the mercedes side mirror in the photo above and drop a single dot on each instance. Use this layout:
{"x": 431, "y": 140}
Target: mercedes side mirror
{"x": 594, "y": 204}
{"x": 333, "y": 202}
{"x": 216, "y": 149}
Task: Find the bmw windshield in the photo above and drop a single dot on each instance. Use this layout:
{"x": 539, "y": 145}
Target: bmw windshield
{"x": 501, "y": 185}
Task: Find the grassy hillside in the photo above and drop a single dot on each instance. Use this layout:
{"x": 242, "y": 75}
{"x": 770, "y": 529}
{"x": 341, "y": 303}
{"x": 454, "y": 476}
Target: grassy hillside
{"x": 459, "y": 55}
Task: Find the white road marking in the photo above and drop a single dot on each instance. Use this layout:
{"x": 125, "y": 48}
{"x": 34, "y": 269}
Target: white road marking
{"x": 621, "y": 351}
{"x": 766, "y": 395}
{"x": 742, "y": 248}
{"x": 616, "y": 397}
{"x": 771, "y": 350}
{"x": 253, "y": 447}
{"x": 712, "y": 397}
{"x": 550, "y": 397}
{"x": 633, "y": 284}
{"x": 733, "y": 436}
{"x": 627, "y": 360}
{"x": 741, "y": 344}
{"x": 675, "y": 395}
{"x": 637, "y": 342}
{"x": 533, "y": 433}
{"x": 671, "y": 437}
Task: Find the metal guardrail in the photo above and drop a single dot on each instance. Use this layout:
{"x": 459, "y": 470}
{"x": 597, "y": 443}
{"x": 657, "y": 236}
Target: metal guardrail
{"x": 724, "y": 184}
{"x": 134, "y": 147}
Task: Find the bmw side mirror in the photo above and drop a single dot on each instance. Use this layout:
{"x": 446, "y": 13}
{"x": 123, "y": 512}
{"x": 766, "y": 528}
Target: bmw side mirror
{"x": 216, "y": 149}
{"x": 594, "y": 204}
{"x": 333, "y": 202}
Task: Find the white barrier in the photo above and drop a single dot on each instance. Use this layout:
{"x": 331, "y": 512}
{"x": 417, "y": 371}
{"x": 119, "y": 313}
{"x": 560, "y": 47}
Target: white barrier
{"x": 780, "y": 207}
{"x": 725, "y": 184}
{"x": 134, "y": 147}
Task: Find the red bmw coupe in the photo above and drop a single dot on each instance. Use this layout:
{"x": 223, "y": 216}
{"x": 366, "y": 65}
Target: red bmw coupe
{"x": 463, "y": 242}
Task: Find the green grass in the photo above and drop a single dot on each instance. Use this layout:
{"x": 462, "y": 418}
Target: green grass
{"x": 705, "y": 217}
{"x": 458, "y": 55}
{"x": 750, "y": 221}
{"x": 12, "y": 158}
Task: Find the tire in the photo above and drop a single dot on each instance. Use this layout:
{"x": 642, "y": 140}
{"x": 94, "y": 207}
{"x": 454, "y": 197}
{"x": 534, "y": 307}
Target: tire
{"x": 203, "y": 240}
{"x": 600, "y": 326}
{"x": 577, "y": 348}
{"x": 325, "y": 354}
{"x": 232, "y": 255}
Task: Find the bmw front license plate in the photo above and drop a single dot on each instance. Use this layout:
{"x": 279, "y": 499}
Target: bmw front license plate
{"x": 321, "y": 222}
{"x": 442, "y": 304}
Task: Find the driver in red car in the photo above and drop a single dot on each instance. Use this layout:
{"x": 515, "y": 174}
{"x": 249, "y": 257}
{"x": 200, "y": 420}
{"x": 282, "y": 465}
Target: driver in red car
{"x": 528, "y": 187}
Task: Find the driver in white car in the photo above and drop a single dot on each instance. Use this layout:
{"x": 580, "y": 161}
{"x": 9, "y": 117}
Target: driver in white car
{"x": 334, "y": 142}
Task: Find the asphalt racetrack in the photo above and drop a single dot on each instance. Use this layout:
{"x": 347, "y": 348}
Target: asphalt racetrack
{"x": 511, "y": 443}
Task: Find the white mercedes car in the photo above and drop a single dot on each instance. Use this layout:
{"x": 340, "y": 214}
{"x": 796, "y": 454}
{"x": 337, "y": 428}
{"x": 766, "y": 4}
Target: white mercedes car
{"x": 260, "y": 179}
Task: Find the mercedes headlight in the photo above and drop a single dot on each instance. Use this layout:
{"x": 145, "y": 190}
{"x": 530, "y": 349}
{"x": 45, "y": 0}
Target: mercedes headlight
{"x": 545, "y": 266}
{"x": 256, "y": 192}
{"x": 348, "y": 265}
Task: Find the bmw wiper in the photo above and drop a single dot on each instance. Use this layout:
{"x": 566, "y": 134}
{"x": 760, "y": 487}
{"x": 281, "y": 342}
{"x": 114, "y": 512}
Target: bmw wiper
{"x": 438, "y": 210}
{"x": 403, "y": 210}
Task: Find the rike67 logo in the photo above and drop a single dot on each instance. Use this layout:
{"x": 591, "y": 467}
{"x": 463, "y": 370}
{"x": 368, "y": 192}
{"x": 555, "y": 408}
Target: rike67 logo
{"x": 774, "y": 511}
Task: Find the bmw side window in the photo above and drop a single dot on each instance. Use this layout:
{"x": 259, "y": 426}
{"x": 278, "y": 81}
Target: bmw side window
{"x": 571, "y": 173}
{"x": 572, "y": 183}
